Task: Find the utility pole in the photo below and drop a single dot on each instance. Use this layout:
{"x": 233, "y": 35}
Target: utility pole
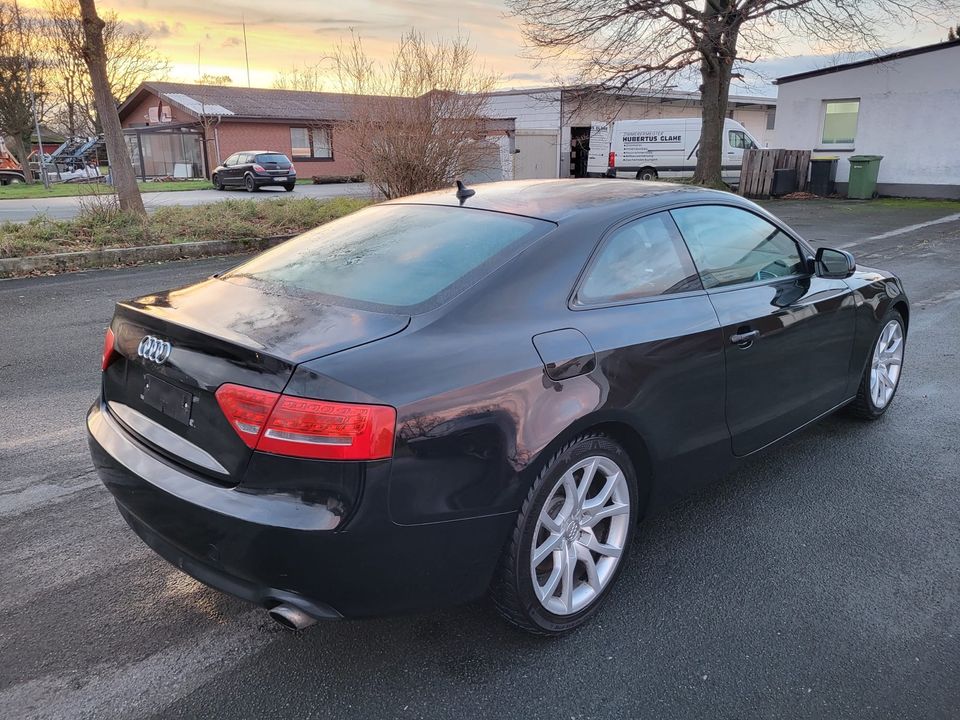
{"x": 246, "y": 54}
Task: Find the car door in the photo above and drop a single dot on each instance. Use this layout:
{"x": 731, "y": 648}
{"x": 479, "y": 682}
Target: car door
{"x": 243, "y": 164}
{"x": 229, "y": 166}
{"x": 659, "y": 348}
{"x": 788, "y": 333}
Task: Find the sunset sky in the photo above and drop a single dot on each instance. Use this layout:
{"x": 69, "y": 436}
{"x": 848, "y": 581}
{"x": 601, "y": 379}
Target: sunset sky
{"x": 284, "y": 33}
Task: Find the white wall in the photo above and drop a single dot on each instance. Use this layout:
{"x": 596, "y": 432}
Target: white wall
{"x": 538, "y": 112}
{"x": 909, "y": 113}
{"x": 536, "y": 118}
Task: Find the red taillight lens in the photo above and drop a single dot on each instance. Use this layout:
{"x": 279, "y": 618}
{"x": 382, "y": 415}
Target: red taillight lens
{"x": 247, "y": 409}
{"x": 612, "y": 160}
{"x": 259, "y": 168}
{"x": 302, "y": 427}
{"x": 109, "y": 351}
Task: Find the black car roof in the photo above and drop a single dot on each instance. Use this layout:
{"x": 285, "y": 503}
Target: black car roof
{"x": 557, "y": 200}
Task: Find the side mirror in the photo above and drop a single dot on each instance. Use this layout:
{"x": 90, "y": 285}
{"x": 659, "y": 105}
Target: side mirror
{"x": 837, "y": 264}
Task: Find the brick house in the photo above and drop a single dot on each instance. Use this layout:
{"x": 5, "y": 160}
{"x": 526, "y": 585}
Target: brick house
{"x": 184, "y": 130}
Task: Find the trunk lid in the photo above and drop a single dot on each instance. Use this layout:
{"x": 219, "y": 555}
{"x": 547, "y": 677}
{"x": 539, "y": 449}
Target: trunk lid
{"x": 218, "y": 332}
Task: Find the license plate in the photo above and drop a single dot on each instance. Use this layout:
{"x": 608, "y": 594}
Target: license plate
{"x": 168, "y": 399}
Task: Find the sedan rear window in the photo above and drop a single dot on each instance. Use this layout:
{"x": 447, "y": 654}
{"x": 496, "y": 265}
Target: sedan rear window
{"x": 409, "y": 257}
{"x": 273, "y": 158}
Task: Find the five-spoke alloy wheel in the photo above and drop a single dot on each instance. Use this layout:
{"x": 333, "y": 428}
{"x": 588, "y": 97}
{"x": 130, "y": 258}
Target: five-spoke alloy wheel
{"x": 881, "y": 377}
{"x": 571, "y": 538}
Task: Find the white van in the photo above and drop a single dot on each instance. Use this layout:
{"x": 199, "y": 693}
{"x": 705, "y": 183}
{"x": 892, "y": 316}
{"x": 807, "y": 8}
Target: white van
{"x": 666, "y": 148}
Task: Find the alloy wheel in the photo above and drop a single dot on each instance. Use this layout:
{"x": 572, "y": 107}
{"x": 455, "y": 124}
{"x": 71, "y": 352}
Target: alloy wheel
{"x": 886, "y": 364}
{"x": 580, "y": 536}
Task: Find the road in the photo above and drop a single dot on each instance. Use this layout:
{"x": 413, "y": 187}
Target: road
{"x": 820, "y": 580}
{"x": 63, "y": 208}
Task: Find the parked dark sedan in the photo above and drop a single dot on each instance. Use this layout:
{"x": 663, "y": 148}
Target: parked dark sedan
{"x": 254, "y": 169}
{"x": 453, "y": 394}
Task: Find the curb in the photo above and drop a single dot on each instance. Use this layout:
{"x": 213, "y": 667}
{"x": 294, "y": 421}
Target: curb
{"x": 111, "y": 257}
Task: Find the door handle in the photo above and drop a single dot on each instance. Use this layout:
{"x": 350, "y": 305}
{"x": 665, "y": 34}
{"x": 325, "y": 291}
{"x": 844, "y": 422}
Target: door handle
{"x": 747, "y": 337}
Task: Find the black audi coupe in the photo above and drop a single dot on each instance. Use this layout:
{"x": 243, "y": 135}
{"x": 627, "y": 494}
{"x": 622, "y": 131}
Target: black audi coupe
{"x": 476, "y": 391}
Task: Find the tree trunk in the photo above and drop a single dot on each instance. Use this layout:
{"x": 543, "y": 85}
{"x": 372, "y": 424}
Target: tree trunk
{"x": 715, "y": 88}
{"x": 20, "y": 149}
{"x": 94, "y": 54}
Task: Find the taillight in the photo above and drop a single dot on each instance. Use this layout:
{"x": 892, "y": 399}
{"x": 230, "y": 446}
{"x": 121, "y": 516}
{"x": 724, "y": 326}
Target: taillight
{"x": 303, "y": 427}
{"x": 247, "y": 409}
{"x": 612, "y": 160}
{"x": 259, "y": 168}
{"x": 109, "y": 350}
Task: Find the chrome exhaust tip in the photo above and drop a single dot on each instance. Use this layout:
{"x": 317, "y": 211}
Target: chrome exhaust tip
{"x": 290, "y": 616}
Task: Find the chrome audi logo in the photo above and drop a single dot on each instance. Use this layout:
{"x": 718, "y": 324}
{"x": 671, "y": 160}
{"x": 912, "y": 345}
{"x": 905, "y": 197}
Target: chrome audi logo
{"x": 154, "y": 349}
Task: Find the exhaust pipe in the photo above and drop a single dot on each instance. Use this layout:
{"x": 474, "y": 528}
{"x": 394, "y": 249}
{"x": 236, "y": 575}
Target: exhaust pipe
{"x": 291, "y": 617}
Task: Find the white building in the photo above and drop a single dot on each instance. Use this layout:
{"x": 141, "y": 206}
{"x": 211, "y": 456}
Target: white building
{"x": 548, "y": 129}
{"x": 904, "y": 106}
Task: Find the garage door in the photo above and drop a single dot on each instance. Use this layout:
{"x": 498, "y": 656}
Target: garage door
{"x": 537, "y": 156}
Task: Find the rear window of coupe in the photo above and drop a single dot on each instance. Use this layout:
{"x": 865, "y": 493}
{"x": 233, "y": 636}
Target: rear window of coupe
{"x": 393, "y": 257}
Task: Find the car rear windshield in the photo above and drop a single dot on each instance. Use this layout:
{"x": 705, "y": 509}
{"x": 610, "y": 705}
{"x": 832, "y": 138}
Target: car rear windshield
{"x": 393, "y": 257}
{"x": 273, "y": 158}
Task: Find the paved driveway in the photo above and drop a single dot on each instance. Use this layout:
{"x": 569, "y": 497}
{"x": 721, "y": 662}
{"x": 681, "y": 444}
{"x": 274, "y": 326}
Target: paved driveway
{"x": 822, "y": 580}
{"x": 63, "y": 208}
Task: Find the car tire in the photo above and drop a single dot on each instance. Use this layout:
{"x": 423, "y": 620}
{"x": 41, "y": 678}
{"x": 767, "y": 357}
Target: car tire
{"x": 877, "y": 388}
{"x": 647, "y": 173}
{"x": 546, "y": 598}
{"x": 289, "y": 187}
{"x": 217, "y": 183}
{"x": 249, "y": 184}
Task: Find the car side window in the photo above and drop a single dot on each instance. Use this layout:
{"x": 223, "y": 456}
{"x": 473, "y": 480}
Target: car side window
{"x": 643, "y": 258}
{"x": 243, "y": 158}
{"x": 730, "y": 245}
{"x": 232, "y": 160}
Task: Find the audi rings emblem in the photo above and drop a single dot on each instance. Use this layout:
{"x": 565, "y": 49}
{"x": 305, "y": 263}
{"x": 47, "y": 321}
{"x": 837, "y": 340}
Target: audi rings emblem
{"x": 154, "y": 349}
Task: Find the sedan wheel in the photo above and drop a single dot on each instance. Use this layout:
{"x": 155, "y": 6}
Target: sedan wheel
{"x": 882, "y": 374}
{"x": 571, "y": 538}
{"x": 249, "y": 184}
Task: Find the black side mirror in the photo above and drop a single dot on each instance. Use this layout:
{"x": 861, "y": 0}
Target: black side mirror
{"x": 837, "y": 264}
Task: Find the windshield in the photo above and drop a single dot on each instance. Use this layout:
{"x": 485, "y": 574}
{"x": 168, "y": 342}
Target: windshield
{"x": 393, "y": 256}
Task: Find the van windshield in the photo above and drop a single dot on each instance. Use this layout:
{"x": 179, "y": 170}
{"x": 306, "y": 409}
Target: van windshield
{"x": 393, "y": 257}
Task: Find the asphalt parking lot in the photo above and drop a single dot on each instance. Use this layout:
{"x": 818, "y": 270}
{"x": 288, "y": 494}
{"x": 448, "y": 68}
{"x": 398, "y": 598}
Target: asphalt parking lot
{"x": 821, "y": 580}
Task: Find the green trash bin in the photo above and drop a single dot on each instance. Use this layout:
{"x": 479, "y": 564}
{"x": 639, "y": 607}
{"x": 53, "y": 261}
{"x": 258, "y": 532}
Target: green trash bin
{"x": 863, "y": 176}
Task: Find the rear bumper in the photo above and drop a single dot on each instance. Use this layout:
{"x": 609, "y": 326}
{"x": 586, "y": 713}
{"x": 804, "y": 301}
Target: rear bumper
{"x": 271, "y": 548}
{"x": 260, "y": 180}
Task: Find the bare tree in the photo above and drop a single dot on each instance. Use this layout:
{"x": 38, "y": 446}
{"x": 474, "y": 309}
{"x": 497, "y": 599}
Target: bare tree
{"x": 415, "y": 122}
{"x": 132, "y": 58}
{"x": 21, "y": 82}
{"x": 619, "y": 44}
{"x": 94, "y": 54}
{"x": 308, "y": 77}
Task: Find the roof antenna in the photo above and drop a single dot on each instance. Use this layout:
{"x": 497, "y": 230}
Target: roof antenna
{"x": 463, "y": 192}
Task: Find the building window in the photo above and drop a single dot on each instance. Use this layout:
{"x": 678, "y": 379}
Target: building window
{"x": 771, "y": 118}
{"x": 840, "y": 122}
{"x": 311, "y": 143}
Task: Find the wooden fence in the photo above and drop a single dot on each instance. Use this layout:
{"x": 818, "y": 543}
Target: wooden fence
{"x": 756, "y": 175}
